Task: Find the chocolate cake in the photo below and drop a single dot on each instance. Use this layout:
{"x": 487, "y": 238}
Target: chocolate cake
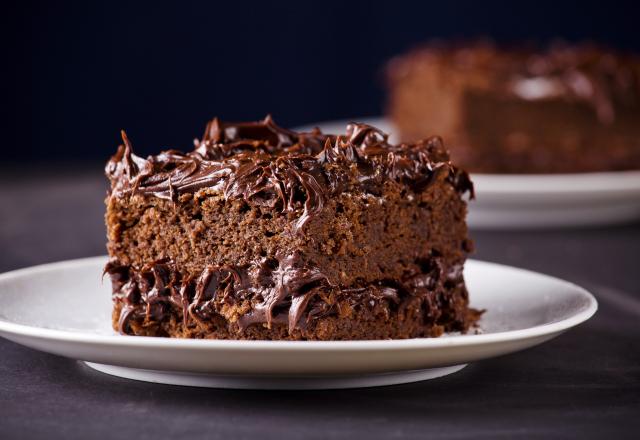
{"x": 562, "y": 109}
{"x": 265, "y": 233}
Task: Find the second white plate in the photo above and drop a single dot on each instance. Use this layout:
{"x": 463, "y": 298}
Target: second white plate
{"x": 539, "y": 200}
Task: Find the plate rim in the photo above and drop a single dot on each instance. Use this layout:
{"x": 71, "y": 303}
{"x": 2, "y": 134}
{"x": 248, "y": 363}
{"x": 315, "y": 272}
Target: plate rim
{"x": 43, "y": 333}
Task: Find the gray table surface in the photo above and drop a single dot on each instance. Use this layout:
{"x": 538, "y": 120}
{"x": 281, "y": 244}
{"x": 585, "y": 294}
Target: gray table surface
{"x": 586, "y": 383}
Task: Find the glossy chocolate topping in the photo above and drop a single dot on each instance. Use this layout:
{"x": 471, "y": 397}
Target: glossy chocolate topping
{"x": 280, "y": 291}
{"x": 599, "y": 76}
{"x": 267, "y": 165}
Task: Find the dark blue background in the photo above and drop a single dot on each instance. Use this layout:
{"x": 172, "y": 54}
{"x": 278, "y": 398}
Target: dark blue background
{"x": 77, "y": 72}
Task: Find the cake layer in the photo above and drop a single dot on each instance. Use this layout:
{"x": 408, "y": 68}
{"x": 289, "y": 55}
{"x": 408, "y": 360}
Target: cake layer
{"x": 505, "y": 110}
{"x": 356, "y": 237}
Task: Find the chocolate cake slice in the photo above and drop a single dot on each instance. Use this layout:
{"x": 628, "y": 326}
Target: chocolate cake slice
{"x": 265, "y": 233}
{"x": 561, "y": 109}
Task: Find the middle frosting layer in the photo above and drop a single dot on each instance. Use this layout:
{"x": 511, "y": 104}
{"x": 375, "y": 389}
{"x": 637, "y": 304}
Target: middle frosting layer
{"x": 282, "y": 290}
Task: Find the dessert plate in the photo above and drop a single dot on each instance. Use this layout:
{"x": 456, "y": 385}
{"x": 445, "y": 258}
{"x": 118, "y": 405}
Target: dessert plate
{"x": 539, "y": 200}
{"x": 64, "y": 308}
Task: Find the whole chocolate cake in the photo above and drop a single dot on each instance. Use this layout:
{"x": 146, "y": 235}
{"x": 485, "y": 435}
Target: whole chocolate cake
{"x": 564, "y": 109}
{"x": 265, "y": 233}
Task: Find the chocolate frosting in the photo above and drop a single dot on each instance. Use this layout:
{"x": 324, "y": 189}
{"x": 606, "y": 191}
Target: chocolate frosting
{"x": 598, "y": 76}
{"x": 281, "y": 291}
{"x": 266, "y": 165}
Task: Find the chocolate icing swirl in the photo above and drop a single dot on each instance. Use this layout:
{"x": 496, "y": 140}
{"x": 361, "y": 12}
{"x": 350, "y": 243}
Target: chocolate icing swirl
{"x": 266, "y": 165}
{"x": 281, "y": 291}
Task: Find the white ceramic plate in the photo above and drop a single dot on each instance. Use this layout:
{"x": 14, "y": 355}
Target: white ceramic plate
{"x": 64, "y": 308}
{"x": 539, "y": 201}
